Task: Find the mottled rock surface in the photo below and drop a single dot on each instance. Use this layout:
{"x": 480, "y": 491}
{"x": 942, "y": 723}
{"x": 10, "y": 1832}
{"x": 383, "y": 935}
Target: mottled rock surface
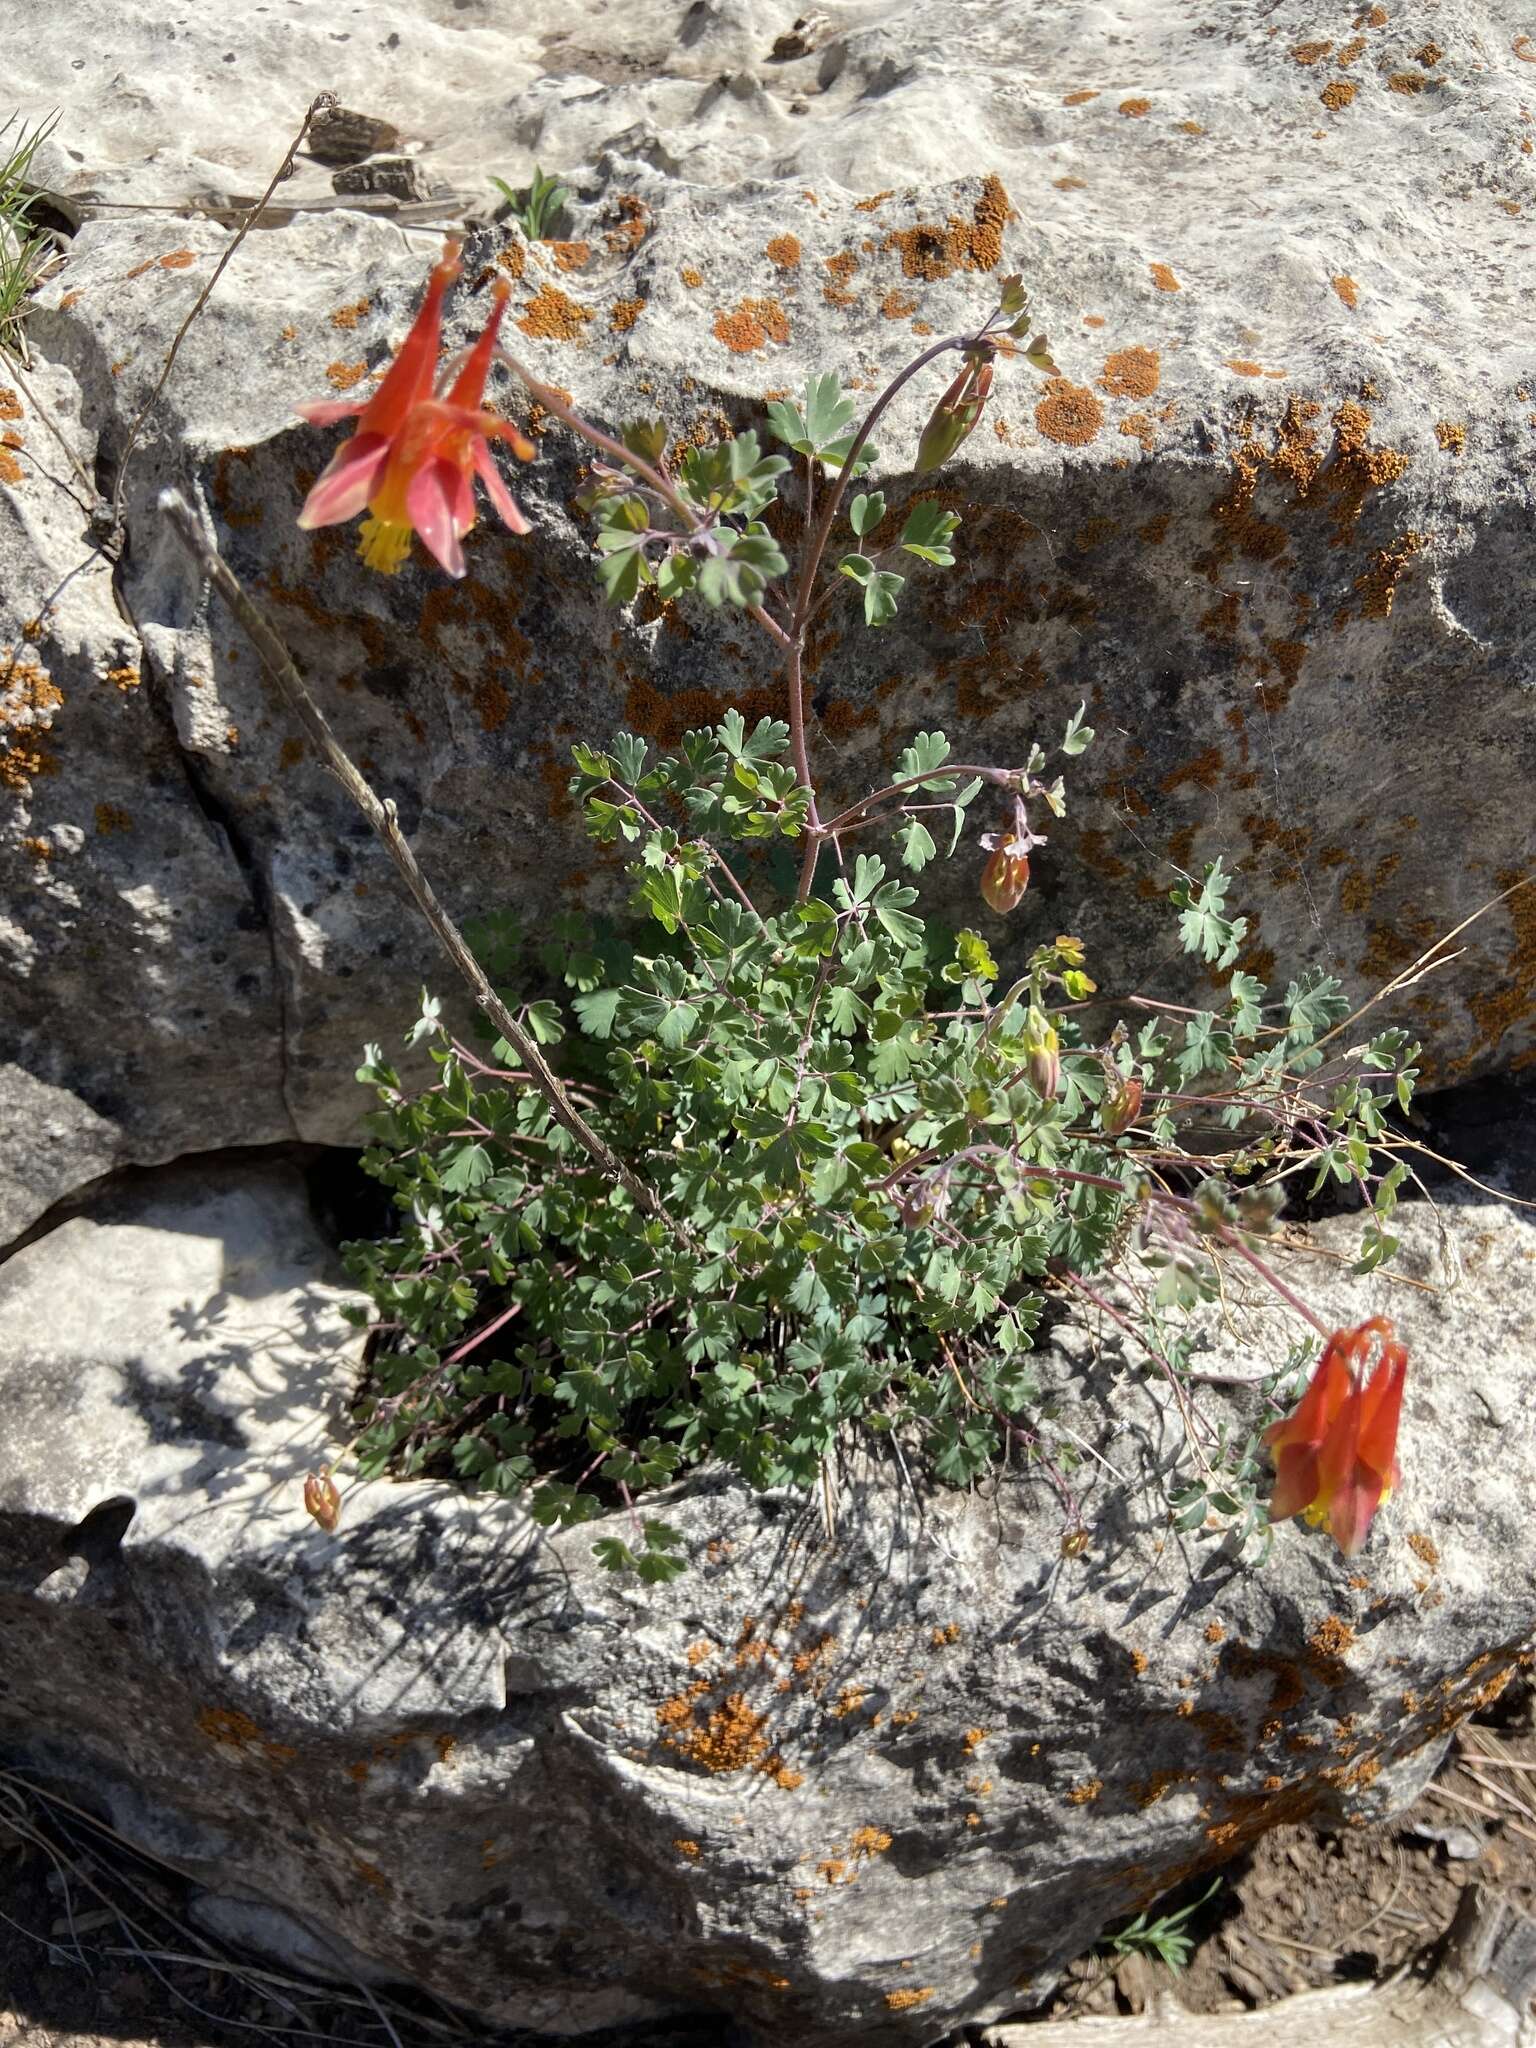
{"x": 1273, "y": 522}
{"x": 864, "y": 1785}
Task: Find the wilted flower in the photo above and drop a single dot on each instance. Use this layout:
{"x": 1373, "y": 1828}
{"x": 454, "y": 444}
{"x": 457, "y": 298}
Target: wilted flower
{"x": 925, "y": 1201}
{"x": 412, "y": 460}
{"x": 1336, "y": 1456}
{"x": 1121, "y": 1105}
{"x": 322, "y": 1500}
{"x": 955, "y": 415}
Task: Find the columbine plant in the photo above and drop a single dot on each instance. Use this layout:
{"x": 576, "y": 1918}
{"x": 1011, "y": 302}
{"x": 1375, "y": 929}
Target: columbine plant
{"x": 810, "y": 1162}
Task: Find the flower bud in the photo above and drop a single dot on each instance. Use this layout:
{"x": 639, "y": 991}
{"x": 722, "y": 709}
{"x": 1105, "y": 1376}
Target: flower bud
{"x": 954, "y": 417}
{"x": 1006, "y": 875}
{"x": 322, "y": 1500}
{"x": 1043, "y": 1049}
{"x": 1121, "y": 1105}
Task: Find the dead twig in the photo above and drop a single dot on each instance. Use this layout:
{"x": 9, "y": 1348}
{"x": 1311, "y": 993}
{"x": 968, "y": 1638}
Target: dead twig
{"x": 322, "y": 101}
{"x": 381, "y": 815}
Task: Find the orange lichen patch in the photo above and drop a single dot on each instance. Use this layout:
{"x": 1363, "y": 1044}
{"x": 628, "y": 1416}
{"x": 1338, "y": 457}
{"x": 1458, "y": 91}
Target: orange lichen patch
{"x": 112, "y": 818}
{"x": 1350, "y": 52}
{"x": 849, "y": 1700}
{"x": 1190, "y": 128}
{"x": 1164, "y": 278}
{"x": 840, "y": 269}
{"x": 1155, "y": 532}
{"x": 1407, "y": 83}
{"x": 1214, "y": 1632}
{"x": 1070, "y": 184}
{"x": 571, "y": 255}
{"x": 974, "y": 1738}
{"x": 1429, "y": 55}
{"x": 623, "y": 314}
{"x": 904, "y": 2001}
{"x": 1132, "y": 373}
{"x": 1329, "y": 1644}
{"x": 11, "y": 471}
{"x": 699, "y": 1653}
{"x": 973, "y": 1820}
{"x": 234, "y": 1730}
{"x": 753, "y": 324}
{"x": 691, "y": 277}
{"x": 904, "y": 1717}
{"x": 941, "y": 1637}
{"x": 1079, "y": 99}
{"x": 10, "y": 405}
{"x": 977, "y": 244}
{"x": 551, "y": 316}
{"x": 1338, "y": 93}
{"x": 342, "y": 376}
{"x": 1148, "y": 1791}
{"x": 1386, "y": 569}
{"x": 178, "y": 259}
{"x": 897, "y": 305}
{"x": 39, "y": 849}
{"x": 783, "y": 1775}
{"x": 1423, "y": 1548}
{"x": 348, "y": 316}
{"x": 1509, "y": 997}
{"x": 1243, "y": 367}
{"x": 1085, "y": 1792}
{"x": 1346, "y": 288}
{"x": 730, "y": 1740}
{"x": 492, "y": 702}
{"x": 1135, "y": 108}
{"x": 1068, "y": 413}
{"x": 869, "y": 1842}
{"x": 835, "y": 1871}
{"x": 1204, "y": 771}
{"x": 633, "y": 218}
{"x": 783, "y": 252}
{"x": 1309, "y": 53}
{"x": 1373, "y": 17}
{"x": 686, "y": 1847}
{"x": 1137, "y": 427}
{"x": 513, "y": 260}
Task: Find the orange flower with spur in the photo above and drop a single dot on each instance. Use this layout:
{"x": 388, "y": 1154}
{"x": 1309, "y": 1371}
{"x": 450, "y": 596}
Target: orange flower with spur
{"x": 412, "y": 462}
{"x": 1336, "y": 1456}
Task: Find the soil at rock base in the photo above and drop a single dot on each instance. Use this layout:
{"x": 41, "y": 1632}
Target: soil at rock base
{"x": 1304, "y": 1909}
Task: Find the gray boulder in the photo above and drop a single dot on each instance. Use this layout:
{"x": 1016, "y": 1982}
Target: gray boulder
{"x": 1272, "y": 522}
{"x": 874, "y": 1766}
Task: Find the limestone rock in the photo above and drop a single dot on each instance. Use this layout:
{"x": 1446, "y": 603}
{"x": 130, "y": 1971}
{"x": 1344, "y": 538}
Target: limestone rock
{"x": 1272, "y": 522}
{"x": 865, "y": 1785}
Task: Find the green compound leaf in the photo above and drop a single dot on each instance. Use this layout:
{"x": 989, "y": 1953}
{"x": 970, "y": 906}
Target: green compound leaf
{"x": 927, "y": 533}
{"x": 1204, "y": 927}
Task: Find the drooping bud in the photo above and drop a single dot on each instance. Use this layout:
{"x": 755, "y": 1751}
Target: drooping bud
{"x": 1121, "y": 1105}
{"x": 955, "y": 415}
{"x": 1006, "y": 875}
{"x": 1042, "y": 1048}
{"x": 321, "y": 1499}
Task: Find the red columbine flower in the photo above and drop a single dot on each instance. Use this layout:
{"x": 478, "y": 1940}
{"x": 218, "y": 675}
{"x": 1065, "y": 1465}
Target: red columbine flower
{"x": 414, "y": 455}
{"x": 1336, "y": 1456}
